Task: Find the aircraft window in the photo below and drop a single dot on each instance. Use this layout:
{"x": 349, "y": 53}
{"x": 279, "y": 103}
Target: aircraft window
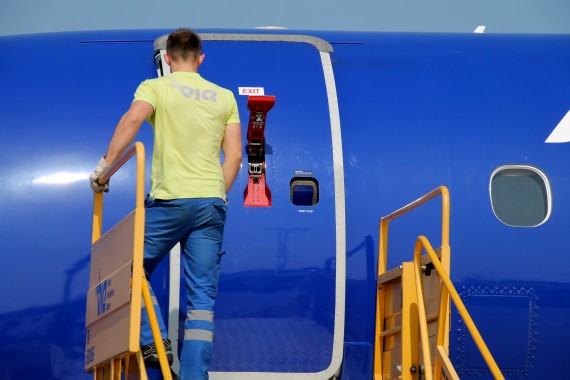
{"x": 304, "y": 191}
{"x": 520, "y": 195}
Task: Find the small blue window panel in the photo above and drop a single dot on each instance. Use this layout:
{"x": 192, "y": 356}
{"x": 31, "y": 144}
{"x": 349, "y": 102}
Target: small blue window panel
{"x": 304, "y": 191}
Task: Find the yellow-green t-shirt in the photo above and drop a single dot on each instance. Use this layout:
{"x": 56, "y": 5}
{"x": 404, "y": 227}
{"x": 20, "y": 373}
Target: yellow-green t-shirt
{"x": 189, "y": 120}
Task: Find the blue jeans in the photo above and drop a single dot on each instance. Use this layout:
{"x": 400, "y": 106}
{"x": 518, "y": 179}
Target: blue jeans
{"x": 198, "y": 224}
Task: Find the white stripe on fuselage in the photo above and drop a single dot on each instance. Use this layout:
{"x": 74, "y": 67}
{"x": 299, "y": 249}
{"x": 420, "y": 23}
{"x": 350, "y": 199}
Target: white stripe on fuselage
{"x": 561, "y": 133}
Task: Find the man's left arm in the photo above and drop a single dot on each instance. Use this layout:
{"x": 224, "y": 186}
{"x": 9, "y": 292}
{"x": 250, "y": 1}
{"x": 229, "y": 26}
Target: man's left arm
{"x": 231, "y": 145}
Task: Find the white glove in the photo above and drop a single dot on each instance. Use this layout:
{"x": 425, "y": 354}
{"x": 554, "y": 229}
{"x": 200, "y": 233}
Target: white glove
{"x": 94, "y": 178}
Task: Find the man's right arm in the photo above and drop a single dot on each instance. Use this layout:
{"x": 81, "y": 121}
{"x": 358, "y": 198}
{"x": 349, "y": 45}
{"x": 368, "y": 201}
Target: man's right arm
{"x": 232, "y": 147}
{"x": 123, "y": 136}
{"x": 127, "y": 129}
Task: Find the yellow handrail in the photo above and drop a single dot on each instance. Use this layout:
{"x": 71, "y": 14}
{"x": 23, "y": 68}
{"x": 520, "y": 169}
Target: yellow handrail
{"x": 138, "y": 149}
{"x": 383, "y": 257}
{"x": 447, "y": 291}
{"x": 422, "y": 242}
{"x": 383, "y": 249}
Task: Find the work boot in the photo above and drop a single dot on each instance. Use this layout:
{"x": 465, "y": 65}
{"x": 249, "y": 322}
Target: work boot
{"x": 150, "y": 355}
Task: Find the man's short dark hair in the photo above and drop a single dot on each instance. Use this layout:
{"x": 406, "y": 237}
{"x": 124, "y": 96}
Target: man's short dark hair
{"x": 183, "y": 44}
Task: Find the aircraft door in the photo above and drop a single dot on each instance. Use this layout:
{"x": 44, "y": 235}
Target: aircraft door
{"x": 280, "y": 308}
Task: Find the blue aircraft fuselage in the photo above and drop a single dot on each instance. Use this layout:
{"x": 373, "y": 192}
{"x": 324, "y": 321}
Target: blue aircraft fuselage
{"x": 371, "y": 121}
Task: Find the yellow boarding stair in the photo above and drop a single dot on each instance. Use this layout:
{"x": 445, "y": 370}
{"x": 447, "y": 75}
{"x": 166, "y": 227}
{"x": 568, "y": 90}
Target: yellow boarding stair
{"x": 117, "y": 284}
{"x": 413, "y": 309}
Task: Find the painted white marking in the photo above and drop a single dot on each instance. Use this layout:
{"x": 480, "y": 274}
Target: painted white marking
{"x": 251, "y": 91}
{"x": 561, "y": 133}
{"x": 480, "y": 29}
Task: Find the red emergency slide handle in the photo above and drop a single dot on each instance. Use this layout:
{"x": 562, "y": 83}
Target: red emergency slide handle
{"x": 257, "y": 193}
